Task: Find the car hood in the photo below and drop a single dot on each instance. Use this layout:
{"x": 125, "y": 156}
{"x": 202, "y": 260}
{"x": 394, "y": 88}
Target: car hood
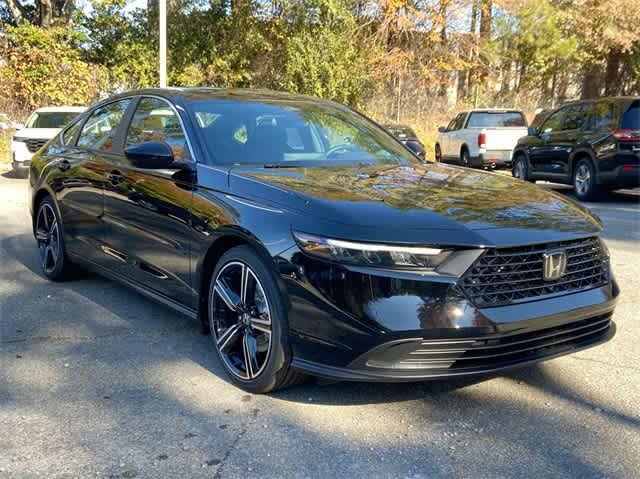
{"x": 395, "y": 201}
{"x": 37, "y": 133}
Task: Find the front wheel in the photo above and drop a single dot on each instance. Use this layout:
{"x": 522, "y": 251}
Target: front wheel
{"x": 438, "y": 153}
{"x": 249, "y": 323}
{"x": 520, "y": 169}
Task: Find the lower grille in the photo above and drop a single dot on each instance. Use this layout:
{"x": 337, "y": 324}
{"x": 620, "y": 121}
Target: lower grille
{"x": 460, "y": 355}
{"x": 34, "y": 144}
{"x": 504, "y": 276}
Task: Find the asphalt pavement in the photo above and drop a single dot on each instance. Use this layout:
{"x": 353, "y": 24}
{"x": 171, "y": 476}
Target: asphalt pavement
{"x": 97, "y": 381}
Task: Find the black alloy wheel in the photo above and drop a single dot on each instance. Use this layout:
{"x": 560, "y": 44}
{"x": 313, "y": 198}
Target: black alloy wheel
{"x": 48, "y": 230}
{"x": 248, "y": 323}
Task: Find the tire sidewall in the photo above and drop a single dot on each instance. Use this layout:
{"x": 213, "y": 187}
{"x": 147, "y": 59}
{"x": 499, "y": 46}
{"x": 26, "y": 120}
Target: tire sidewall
{"x": 593, "y": 189}
{"x": 279, "y": 359}
{"x": 59, "y": 271}
{"x": 520, "y": 160}
{"x": 438, "y": 153}
{"x": 464, "y": 158}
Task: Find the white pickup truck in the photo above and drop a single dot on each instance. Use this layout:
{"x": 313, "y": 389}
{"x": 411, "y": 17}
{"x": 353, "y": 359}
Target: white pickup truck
{"x": 482, "y": 138}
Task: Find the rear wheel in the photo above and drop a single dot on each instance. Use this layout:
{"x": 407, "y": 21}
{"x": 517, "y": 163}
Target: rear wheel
{"x": 249, "y": 323}
{"x": 53, "y": 258}
{"x": 465, "y": 160}
{"x": 584, "y": 180}
{"x": 438, "y": 153}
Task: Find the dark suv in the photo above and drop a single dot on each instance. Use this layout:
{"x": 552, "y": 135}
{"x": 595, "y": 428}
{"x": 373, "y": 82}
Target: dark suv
{"x": 593, "y": 145}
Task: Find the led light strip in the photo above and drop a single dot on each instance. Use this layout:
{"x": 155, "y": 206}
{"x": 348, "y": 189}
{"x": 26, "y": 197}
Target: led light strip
{"x": 380, "y": 247}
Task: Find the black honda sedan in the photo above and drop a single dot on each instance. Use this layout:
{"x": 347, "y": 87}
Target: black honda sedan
{"x": 308, "y": 241}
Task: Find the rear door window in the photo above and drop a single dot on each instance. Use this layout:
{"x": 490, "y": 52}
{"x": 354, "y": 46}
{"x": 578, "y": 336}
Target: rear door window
{"x": 496, "y": 119}
{"x": 99, "y": 131}
{"x": 575, "y": 117}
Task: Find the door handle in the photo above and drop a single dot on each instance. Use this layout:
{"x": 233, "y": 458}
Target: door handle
{"x": 115, "y": 177}
{"x": 63, "y": 165}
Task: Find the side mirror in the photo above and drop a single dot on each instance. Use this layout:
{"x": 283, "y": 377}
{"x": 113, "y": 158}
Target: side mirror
{"x": 531, "y": 131}
{"x": 442, "y": 129}
{"x": 152, "y": 155}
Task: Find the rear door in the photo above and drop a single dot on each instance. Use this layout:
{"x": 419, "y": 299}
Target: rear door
{"x": 80, "y": 168}
{"x": 148, "y": 211}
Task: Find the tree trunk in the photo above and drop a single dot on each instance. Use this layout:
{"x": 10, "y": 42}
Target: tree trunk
{"x": 612, "y": 83}
{"x": 486, "y": 17}
{"x": 591, "y": 81}
{"x": 17, "y": 10}
{"x": 471, "y": 76}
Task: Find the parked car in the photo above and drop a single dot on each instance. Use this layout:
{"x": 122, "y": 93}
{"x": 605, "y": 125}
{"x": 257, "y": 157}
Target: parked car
{"x": 593, "y": 145}
{"x": 7, "y": 124}
{"x": 481, "y": 138}
{"x": 308, "y": 241}
{"x": 42, "y": 125}
{"x": 405, "y": 135}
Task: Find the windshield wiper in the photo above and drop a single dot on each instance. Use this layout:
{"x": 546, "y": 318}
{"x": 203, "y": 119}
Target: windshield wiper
{"x": 280, "y": 165}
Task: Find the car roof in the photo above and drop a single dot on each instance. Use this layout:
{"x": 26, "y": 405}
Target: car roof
{"x": 202, "y": 93}
{"x": 61, "y": 109}
{"x": 489, "y": 110}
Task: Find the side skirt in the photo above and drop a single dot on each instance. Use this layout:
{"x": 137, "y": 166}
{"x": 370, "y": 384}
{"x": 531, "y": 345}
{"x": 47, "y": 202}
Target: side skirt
{"x": 158, "y": 297}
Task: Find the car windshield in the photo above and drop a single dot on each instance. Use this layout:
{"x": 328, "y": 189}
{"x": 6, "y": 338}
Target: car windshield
{"x": 292, "y": 133}
{"x": 51, "y": 119}
{"x": 496, "y": 119}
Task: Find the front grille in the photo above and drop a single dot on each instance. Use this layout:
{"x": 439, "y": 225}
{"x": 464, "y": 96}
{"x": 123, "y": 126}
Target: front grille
{"x": 34, "y": 144}
{"x": 458, "y": 355}
{"x": 504, "y": 276}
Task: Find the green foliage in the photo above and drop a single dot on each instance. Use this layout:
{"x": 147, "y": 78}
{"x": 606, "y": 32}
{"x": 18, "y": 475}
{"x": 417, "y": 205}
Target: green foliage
{"x": 44, "y": 66}
{"x": 534, "y": 35}
{"x": 124, "y": 44}
{"x": 323, "y": 63}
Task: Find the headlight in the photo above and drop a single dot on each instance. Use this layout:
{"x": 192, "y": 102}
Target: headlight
{"x": 19, "y": 138}
{"x": 448, "y": 261}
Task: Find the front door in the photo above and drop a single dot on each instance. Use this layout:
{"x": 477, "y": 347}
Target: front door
{"x": 544, "y": 149}
{"x": 148, "y": 211}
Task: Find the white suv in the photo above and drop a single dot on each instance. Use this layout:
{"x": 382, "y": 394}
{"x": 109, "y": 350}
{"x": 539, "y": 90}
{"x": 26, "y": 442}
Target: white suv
{"x": 42, "y": 125}
{"x": 482, "y": 138}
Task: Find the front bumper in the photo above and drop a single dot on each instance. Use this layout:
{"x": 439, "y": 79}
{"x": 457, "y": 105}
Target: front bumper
{"x": 352, "y": 326}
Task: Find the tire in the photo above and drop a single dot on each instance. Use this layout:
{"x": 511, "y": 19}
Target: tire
{"x": 520, "y": 169}
{"x": 438, "y": 154}
{"x": 54, "y": 262}
{"x": 249, "y": 324}
{"x": 584, "y": 181}
{"x": 465, "y": 160}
